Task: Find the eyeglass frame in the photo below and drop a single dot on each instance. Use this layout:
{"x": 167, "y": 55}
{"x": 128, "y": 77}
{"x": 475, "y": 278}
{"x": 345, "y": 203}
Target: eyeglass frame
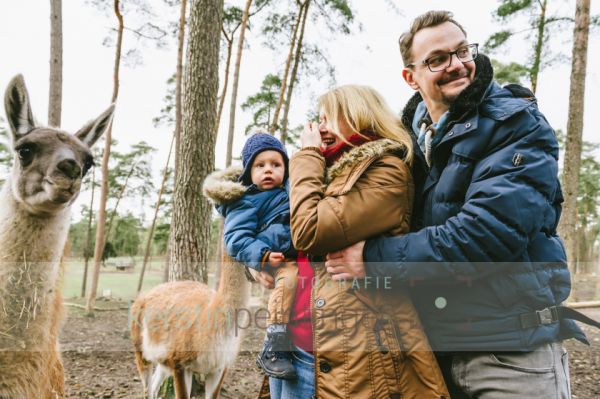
{"x": 450, "y": 53}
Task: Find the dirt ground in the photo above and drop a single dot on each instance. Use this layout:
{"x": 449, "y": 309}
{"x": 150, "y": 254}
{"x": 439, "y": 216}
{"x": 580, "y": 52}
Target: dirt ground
{"x": 98, "y": 359}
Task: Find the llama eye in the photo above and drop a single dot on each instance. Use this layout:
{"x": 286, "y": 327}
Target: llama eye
{"x": 25, "y": 155}
{"x": 87, "y": 165}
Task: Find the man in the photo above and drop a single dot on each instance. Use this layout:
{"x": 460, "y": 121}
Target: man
{"x": 487, "y": 269}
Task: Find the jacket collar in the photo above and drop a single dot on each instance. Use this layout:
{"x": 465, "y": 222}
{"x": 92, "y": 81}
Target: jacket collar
{"x": 371, "y": 150}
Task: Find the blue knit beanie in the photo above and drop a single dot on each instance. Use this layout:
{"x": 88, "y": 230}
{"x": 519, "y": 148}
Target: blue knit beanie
{"x": 256, "y": 144}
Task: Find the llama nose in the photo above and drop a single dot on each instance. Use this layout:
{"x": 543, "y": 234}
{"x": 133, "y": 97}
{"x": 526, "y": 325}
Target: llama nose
{"x": 69, "y": 167}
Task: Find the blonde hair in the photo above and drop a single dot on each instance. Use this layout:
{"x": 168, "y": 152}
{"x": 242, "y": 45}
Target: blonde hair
{"x": 365, "y": 111}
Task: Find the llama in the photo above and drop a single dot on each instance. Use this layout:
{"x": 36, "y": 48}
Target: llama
{"x": 34, "y": 220}
{"x": 183, "y": 327}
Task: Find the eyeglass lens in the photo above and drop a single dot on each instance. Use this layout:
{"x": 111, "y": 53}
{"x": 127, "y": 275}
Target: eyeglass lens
{"x": 443, "y": 61}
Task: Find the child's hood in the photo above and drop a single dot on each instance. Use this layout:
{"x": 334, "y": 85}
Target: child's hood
{"x": 222, "y": 187}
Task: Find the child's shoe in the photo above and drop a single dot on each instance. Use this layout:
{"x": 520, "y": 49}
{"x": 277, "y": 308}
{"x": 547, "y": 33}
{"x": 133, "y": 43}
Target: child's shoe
{"x": 275, "y": 359}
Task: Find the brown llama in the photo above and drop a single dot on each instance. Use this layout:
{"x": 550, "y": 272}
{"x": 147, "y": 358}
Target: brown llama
{"x": 35, "y": 205}
{"x": 183, "y": 327}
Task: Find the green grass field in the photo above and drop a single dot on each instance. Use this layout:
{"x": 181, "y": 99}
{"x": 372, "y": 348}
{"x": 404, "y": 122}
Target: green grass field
{"x": 122, "y": 284}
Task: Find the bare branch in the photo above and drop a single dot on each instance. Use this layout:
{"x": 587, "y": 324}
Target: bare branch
{"x": 146, "y": 29}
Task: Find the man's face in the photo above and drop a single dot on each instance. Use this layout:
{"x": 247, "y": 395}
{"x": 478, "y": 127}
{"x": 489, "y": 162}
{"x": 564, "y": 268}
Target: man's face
{"x": 439, "y": 89}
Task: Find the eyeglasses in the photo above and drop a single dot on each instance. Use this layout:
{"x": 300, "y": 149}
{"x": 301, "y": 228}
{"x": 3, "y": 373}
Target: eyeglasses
{"x": 440, "y": 62}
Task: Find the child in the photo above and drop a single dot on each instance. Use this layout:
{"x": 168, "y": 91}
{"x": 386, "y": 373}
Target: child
{"x": 257, "y": 233}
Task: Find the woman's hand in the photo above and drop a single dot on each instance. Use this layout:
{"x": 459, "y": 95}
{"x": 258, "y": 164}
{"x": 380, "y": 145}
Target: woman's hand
{"x": 311, "y": 137}
{"x": 263, "y": 278}
{"x": 347, "y": 264}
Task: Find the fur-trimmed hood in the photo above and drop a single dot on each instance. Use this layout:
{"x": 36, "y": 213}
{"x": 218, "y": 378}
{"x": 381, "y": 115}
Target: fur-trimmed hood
{"x": 222, "y": 186}
{"x": 370, "y": 150}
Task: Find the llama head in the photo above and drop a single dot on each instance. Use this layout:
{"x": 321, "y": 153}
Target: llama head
{"x": 49, "y": 163}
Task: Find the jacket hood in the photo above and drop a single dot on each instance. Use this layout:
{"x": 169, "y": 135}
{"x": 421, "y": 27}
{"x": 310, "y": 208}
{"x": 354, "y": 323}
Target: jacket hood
{"x": 372, "y": 149}
{"x": 467, "y": 101}
{"x": 222, "y": 187}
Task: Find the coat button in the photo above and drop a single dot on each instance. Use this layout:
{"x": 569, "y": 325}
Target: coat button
{"x": 320, "y": 303}
{"x": 324, "y": 367}
{"x": 468, "y": 125}
{"x": 450, "y": 134}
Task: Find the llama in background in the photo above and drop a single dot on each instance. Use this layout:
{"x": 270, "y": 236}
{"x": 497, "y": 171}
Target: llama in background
{"x": 183, "y": 327}
{"x": 34, "y": 221}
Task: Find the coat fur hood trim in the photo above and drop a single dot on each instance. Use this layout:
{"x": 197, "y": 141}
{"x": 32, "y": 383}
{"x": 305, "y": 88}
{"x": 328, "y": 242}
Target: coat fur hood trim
{"x": 222, "y": 186}
{"x": 372, "y": 149}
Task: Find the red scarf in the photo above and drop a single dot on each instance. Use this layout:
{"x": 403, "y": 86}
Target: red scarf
{"x": 334, "y": 153}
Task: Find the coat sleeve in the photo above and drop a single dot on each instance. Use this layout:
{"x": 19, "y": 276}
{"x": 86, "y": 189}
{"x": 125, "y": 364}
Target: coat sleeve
{"x": 506, "y": 205}
{"x": 240, "y": 231}
{"x": 379, "y": 201}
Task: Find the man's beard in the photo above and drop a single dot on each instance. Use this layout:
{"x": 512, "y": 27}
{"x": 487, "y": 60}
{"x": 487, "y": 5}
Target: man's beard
{"x": 449, "y": 99}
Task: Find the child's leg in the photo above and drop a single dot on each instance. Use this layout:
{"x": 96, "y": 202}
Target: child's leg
{"x": 282, "y": 297}
{"x": 274, "y": 358}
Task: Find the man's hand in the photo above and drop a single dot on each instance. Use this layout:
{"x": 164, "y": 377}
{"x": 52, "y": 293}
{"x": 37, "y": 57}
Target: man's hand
{"x": 263, "y": 278}
{"x": 276, "y": 259}
{"x": 311, "y": 137}
{"x": 347, "y": 263}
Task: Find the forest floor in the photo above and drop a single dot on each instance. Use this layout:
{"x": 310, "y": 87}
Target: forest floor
{"x": 99, "y": 361}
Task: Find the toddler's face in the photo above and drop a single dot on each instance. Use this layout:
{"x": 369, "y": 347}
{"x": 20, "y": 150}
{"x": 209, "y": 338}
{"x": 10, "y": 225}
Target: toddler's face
{"x": 268, "y": 170}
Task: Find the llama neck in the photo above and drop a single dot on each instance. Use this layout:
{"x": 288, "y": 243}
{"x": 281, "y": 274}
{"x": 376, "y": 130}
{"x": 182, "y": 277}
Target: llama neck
{"x": 234, "y": 288}
{"x": 30, "y": 253}
{"x": 29, "y": 238}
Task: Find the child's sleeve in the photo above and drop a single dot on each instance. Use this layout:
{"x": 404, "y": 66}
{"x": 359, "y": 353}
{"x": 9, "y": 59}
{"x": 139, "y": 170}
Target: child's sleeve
{"x": 240, "y": 231}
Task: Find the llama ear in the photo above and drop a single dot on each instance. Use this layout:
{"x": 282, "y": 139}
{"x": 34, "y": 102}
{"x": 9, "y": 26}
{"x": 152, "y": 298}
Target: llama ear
{"x": 94, "y": 129}
{"x": 18, "y": 108}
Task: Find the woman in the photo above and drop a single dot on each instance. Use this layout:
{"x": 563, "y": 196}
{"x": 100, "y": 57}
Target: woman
{"x": 351, "y": 181}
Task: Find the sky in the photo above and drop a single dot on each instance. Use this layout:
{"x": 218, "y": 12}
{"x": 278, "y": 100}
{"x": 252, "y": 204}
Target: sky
{"x": 369, "y": 56}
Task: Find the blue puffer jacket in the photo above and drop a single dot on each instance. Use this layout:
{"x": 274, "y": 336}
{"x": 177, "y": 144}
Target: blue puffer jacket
{"x": 256, "y": 222}
{"x": 486, "y": 250}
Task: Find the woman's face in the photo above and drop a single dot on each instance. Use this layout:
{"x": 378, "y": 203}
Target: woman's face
{"x": 328, "y": 136}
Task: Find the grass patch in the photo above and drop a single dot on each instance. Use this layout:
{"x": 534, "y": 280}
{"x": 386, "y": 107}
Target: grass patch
{"x": 122, "y": 284}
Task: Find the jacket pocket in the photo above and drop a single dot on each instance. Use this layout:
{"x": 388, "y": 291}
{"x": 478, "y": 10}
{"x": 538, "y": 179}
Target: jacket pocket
{"x": 387, "y": 343}
{"x": 386, "y": 334}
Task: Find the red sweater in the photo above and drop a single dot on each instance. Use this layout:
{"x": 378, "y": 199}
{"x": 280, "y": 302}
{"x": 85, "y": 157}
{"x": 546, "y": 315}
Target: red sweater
{"x": 300, "y": 326}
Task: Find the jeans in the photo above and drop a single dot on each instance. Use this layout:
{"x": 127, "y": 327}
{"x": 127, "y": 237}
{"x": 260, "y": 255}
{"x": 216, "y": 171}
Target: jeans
{"x": 303, "y": 387}
{"x": 542, "y": 373}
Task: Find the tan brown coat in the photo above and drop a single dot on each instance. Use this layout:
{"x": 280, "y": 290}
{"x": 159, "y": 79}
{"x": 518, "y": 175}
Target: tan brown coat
{"x": 368, "y": 339}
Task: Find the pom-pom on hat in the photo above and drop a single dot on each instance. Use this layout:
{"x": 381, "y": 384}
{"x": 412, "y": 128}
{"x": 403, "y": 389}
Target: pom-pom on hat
{"x": 256, "y": 144}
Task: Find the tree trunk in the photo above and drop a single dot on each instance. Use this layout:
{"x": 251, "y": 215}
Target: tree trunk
{"x": 178, "y": 77}
{"x": 571, "y": 167}
{"x": 288, "y": 63}
{"x": 225, "y": 81}
{"x": 88, "y": 237}
{"x": 99, "y": 245}
{"x": 236, "y": 78}
{"x": 178, "y": 89}
{"x": 537, "y": 56}
{"x": 119, "y": 197}
{"x": 153, "y": 224}
{"x": 298, "y": 57}
{"x": 55, "y": 100}
{"x": 189, "y": 236}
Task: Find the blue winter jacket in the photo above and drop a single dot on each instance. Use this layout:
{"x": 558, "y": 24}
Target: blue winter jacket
{"x": 485, "y": 248}
{"x": 256, "y": 222}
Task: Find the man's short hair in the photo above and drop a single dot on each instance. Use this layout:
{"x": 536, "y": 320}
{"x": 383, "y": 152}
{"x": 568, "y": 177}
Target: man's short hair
{"x": 427, "y": 20}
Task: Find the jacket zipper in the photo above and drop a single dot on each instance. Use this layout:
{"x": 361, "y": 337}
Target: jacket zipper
{"x": 312, "y": 320}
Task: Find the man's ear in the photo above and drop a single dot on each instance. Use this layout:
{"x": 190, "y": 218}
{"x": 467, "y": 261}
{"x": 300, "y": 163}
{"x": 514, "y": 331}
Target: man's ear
{"x": 408, "y": 75}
